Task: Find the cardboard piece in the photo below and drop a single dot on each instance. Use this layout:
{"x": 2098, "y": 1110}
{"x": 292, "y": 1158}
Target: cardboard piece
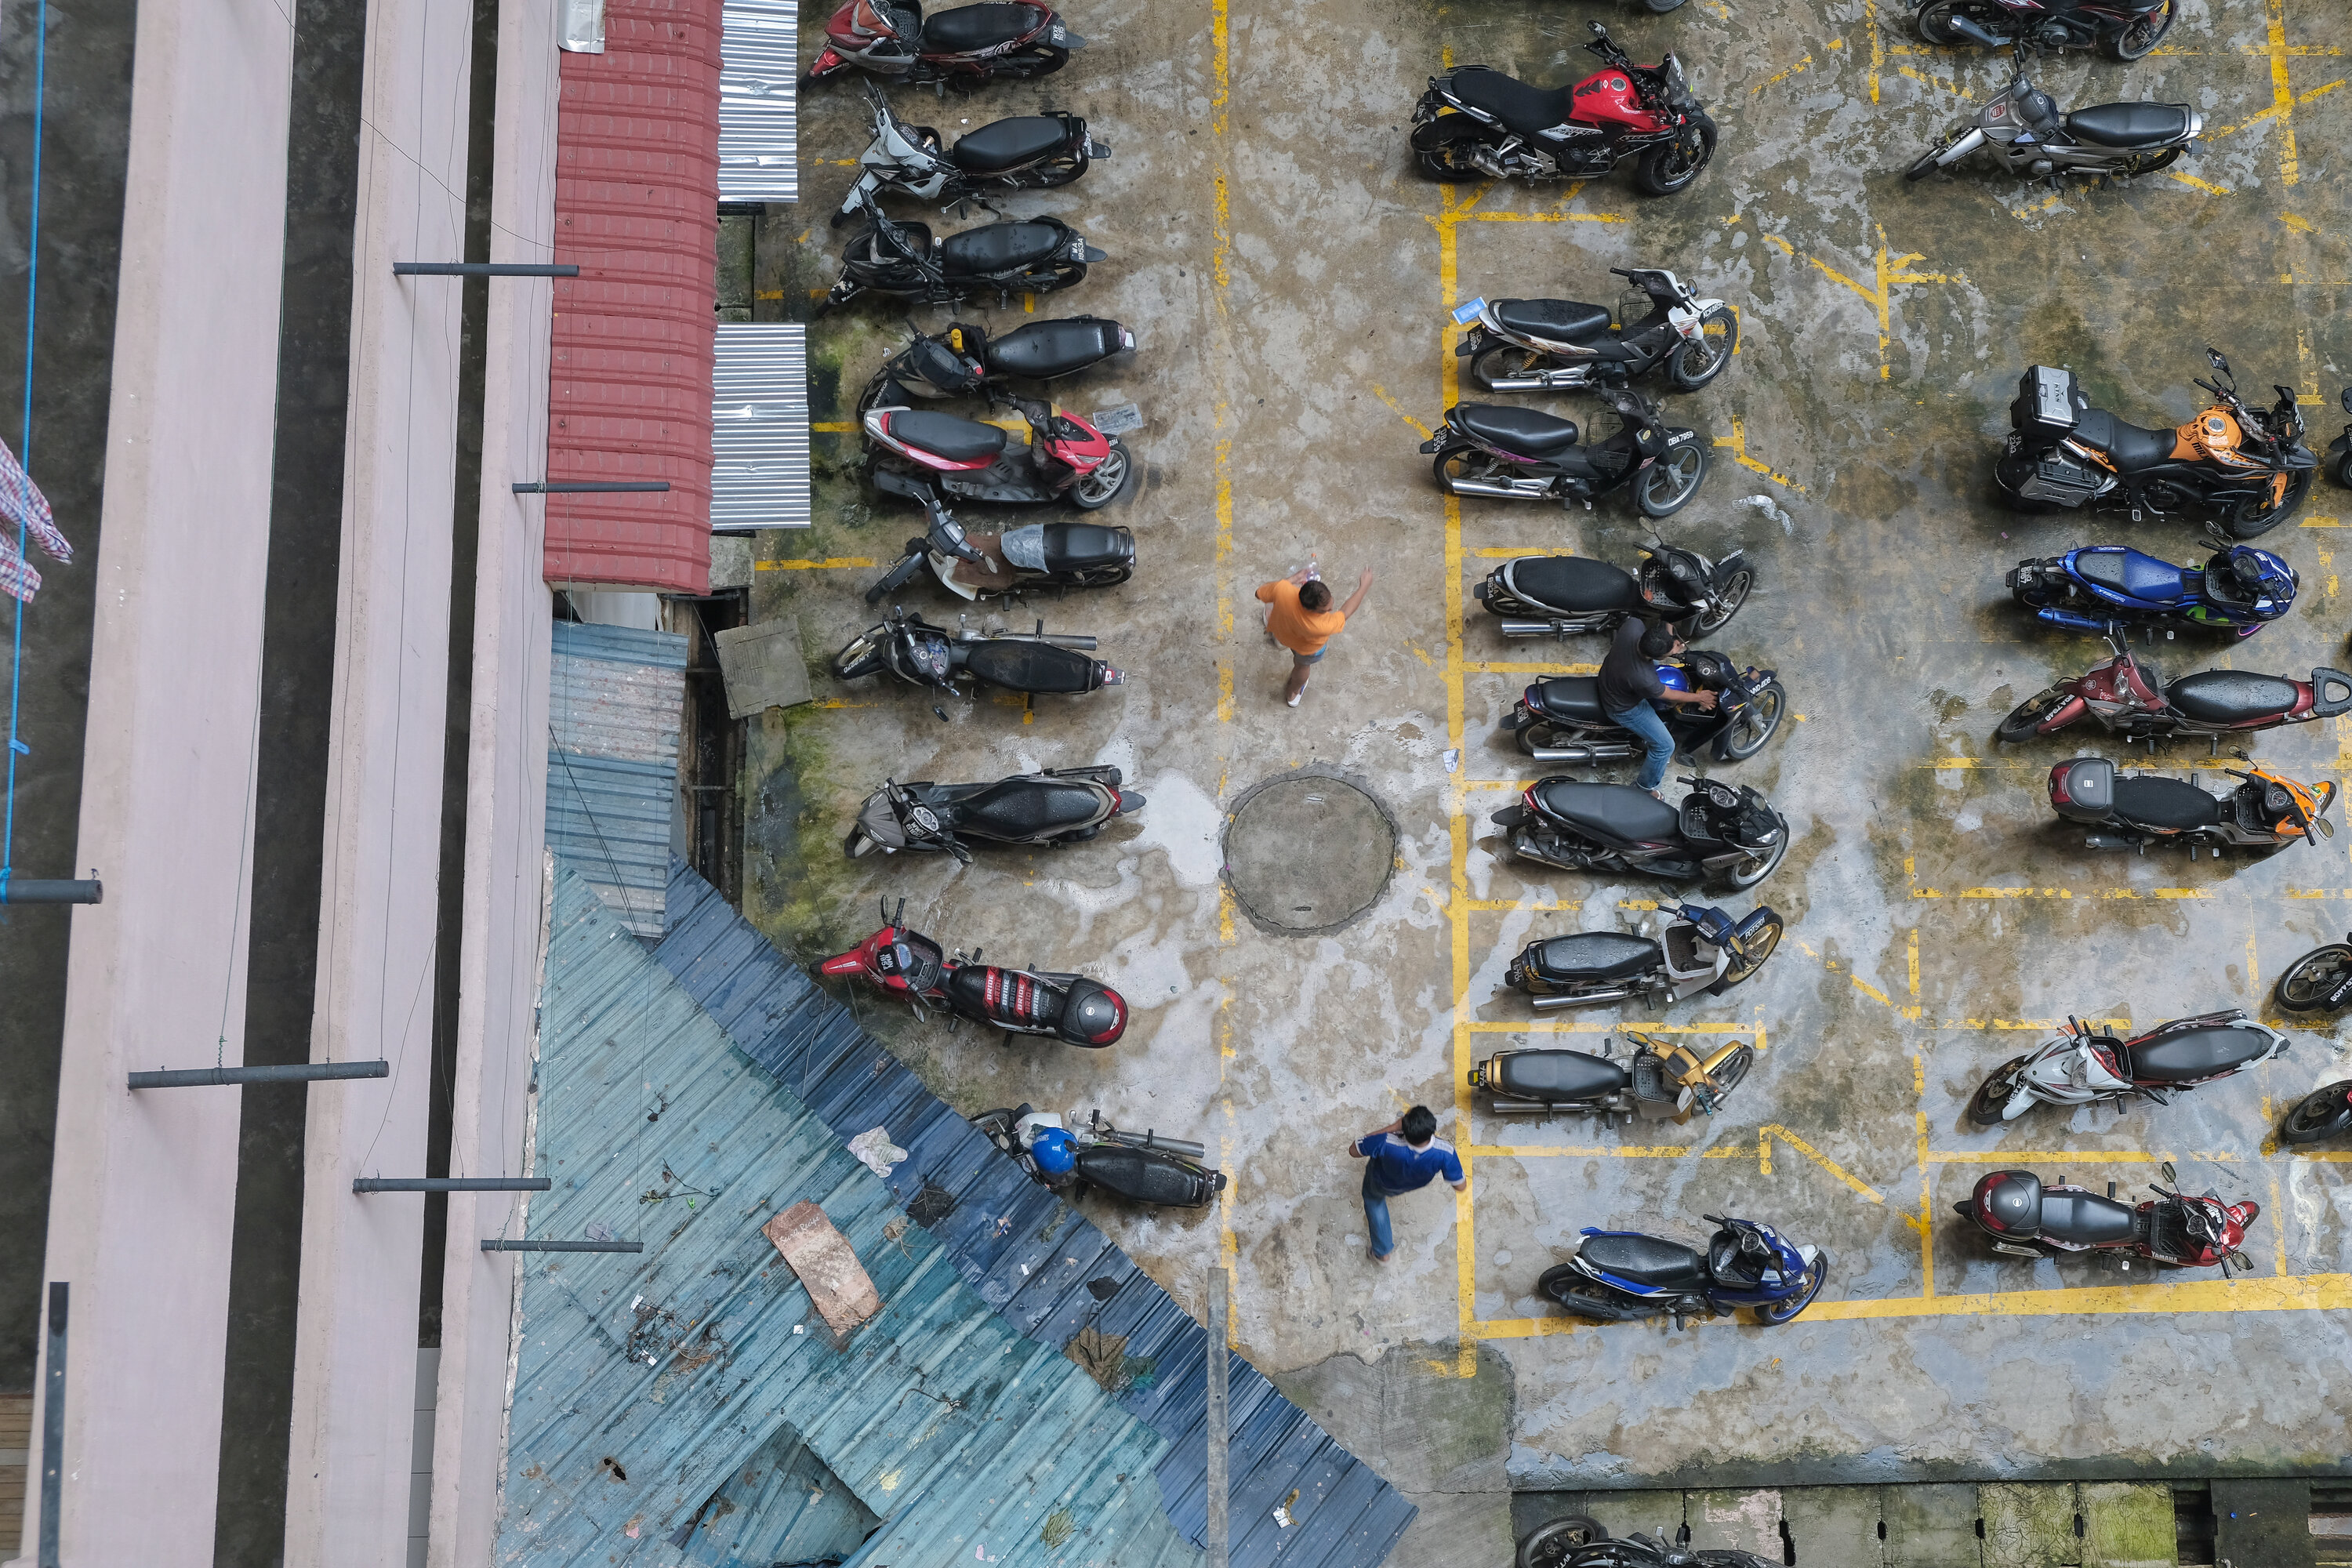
{"x": 763, "y": 667}
{"x": 826, "y": 1263}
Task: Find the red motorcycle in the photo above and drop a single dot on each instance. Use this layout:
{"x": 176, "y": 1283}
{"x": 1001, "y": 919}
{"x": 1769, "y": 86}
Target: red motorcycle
{"x": 2027, "y": 1219}
{"x": 2323, "y": 1113}
{"x": 908, "y": 963}
{"x": 1478, "y": 124}
{"x": 912, "y": 450}
{"x": 2124, "y": 696}
{"x": 969, "y": 44}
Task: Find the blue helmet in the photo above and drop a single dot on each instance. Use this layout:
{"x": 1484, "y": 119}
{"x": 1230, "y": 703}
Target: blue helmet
{"x": 1056, "y": 1151}
{"x": 1674, "y": 678}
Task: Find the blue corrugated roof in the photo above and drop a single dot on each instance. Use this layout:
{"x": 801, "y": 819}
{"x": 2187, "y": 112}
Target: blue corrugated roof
{"x": 647, "y": 1383}
{"x": 1044, "y": 1269}
{"x": 615, "y": 695}
{"x": 783, "y": 1506}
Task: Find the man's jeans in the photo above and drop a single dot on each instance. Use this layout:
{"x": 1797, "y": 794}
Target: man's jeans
{"x": 1376, "y": 1210}
{"x": 1644, "y": 721}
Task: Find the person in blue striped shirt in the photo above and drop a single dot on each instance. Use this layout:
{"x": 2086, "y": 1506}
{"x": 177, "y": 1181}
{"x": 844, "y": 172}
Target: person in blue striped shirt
{"x": 1402, "y": 1157}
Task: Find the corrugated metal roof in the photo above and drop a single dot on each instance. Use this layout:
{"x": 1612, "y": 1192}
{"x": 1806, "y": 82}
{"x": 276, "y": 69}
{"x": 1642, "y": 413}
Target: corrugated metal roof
{"x": 759, "y": 134}
{"x": 1044, "y": 1269}
{"x": 760, "y": 427}
{"x": 646, "y": 1383}
{"x": 782, "y": 1506}
{"x": 636, "y": 207}
{"x": 615, "y": 695}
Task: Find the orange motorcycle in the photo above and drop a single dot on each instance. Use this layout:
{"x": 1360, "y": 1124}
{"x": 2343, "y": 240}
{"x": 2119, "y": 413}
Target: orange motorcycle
{"x": 2266, "y": 810}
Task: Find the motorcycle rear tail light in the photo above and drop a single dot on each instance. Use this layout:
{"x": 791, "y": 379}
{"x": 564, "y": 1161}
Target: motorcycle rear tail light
{"x": 1112, "y": 676}
{"x": 1528, "y": 799}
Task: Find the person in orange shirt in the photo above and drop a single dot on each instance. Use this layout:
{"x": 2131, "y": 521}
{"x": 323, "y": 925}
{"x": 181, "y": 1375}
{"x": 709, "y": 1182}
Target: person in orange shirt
{"x": 1300, "y": 617}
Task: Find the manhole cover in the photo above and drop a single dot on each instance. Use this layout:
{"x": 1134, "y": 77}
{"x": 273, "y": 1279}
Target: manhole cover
{"x": 1308, "y": 853}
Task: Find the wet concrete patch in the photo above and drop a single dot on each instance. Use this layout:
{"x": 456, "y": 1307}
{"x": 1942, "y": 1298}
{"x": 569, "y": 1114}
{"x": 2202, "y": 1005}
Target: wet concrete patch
{"x": 1307, "y": 854}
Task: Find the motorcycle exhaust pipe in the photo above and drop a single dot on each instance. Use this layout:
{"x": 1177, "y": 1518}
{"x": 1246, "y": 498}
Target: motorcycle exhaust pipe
{"x": 1536, "y": 628}
{"x": 2072, "y": 621}
{"x": 1608, "y": 753}
{"x": 1514, "y": 489}
{"x": 1545, "y": 380}
{"x": 1183, "y": 1149}
{"x": 1582, "y": 999}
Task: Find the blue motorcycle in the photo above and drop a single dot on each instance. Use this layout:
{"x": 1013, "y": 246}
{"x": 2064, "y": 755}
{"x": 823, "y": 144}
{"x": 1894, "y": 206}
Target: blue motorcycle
{"x": 1616, "y": 1276}
{"x": 2103, "y": 589}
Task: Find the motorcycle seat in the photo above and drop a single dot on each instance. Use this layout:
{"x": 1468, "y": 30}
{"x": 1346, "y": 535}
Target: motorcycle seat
{"x": 1571, "y": 582}
{"x": 1576, "y": 697}
{"x": 2132, "y": 575}
{"x": 2086, "y": 1217}
{"x": 1553, "y": 1077}
{"x": 1526, "y": 109}
{"x": 1144, "y": 1177}
{"x": 1018, "y": 664}
{"x": 946, "y": 436}
{"x": 2192, "y": 1054}
{"x": 969, "y": 27}
{"x": 1006, "y": 142}
{"x": 2232, "y": 696}
{"x": 997, "y": 247}
{"x": 2166, "y": 803}
{"x": 2129, "y": 124}
{"x": 1005, "y": 995}
{"x": 1561, "y": 321}
{"x": 2133, "y": 447}
{"x": 1017, "y": 808}
{"x": 1519, "y": 430}
{"x": 1614, "y": 811}
{"x": 1044, "y": 350}
{"x": 1592, "y": 956}
{"x": 1070, "y": 545}
{"x": 1645, "y": 1260}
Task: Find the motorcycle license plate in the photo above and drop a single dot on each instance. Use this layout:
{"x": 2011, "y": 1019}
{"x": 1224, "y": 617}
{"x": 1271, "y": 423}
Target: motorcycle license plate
{"x": 1465, "y": 314}
{"x": 1098, "y": 149}
{"x": 1432, "y": 444}
{"x": 1058, "y": 33}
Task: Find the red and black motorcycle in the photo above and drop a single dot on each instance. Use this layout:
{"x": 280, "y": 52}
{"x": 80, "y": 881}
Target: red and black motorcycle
{"x": 969, "y": 44}
{"x": 1068, "y": 1007}
{"x": 2127, "y": 698}
{"x": 2325, "y": 1112}
{"x": 1478, "y": 124}
{"x": 910, "y": 450}
{"x": 2027, "y": 1219}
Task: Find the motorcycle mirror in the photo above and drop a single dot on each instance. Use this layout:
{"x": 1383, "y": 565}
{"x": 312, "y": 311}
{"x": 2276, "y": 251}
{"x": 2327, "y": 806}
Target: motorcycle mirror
{"x": 2214, "y": 358}
{"x": 2347, "y": 400}
{"x": 2242, "y": 1261}
{"x": 1598, "y": 30}
{"x": 2171, "y": 1178}
{"x": 940, "y": 713}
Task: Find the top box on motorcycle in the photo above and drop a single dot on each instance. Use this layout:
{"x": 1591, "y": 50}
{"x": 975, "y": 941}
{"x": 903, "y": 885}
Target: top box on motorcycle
{"x": 2084, "y": 789}
{"x": 2050, "y": 403}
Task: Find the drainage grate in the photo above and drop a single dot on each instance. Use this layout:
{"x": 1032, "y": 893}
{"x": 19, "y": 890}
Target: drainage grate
{"x": 1308, "y": 853}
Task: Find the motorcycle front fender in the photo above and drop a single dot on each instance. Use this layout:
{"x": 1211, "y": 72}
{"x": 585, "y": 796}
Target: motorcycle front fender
{"x": 1967, "y": 143}
{"x": 2340, "y": 446}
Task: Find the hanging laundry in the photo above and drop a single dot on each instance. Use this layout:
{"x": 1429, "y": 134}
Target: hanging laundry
{"x": 18, "y": 578}
{"x": 23, "y": 505}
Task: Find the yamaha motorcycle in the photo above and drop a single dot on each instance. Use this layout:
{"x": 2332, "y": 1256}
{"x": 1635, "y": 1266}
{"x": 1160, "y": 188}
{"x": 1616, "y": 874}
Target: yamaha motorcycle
{"x": 1659, "y": 1082}
{"x": 1562, "y": 721}
{"x": 2325, "y": 1112}
{"x": 1566, "y": 596}
{"x": 2079, "y": 1068}
{"x": 2318, "y": 981}
{"x": 2245, "y": 470}
{"x": 1067, "y": 1007}
{"x": 2125, "y": 29}
{"x": 921, "y": 654}
{"x": 964, "y": 361}
{"x": 1060, "y": 806}
{"x": 1700, "y": 949}
{"x": 1142, "y": 1167}
{"x": 1060, "y": 555}
{"x": 1562, "y": 345}
{"x": 2100, "y": 588}
{"x": 1036, "y": 256}
{"x": 1032, "y": 152}
{"x": 1726, "y": 835}
{"x": 910, "y": 450}
{"x": 967, "y": 46}
{"x": 2128, "y": 699}
{"x": 2026, "y": 1219}
{"x": 2031, "y": 139}
{"x": 2267, "y": 811}
{"x": 1490, "y": 450}
{"x": 1478, "y": 124}
{"x": 1574, "y": 1540}
{"x": 1616, "y": 1276}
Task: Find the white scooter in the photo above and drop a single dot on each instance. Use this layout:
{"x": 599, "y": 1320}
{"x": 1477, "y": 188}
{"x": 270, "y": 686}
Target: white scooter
{"x": 2079, "y": 1068}
{"x": 1031, "y": 153}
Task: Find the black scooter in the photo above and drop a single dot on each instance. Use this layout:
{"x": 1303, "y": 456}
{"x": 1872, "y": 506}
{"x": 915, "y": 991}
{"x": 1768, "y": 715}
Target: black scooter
{"x": 965, "y": 361}
{"x": 1059, "y": 555}
{"x": 921, "y": 654}
{"x": 1060, "y": 806}
{"x": 1728, "y": 834}
{"x": 2339, "y": 451}
{"x": 901, "y": 260}
{"x": 1561, "y": 345}
{"x": 1562, "y": 721}
{"x": 1142, "y": 1167}
{"x": 1568, "y": 595}
{"x": 1517, "y": 454}
{"x": 1659, "y": 1082}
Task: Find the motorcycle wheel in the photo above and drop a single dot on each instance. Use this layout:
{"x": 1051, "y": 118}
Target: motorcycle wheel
{"x": 1778, "y": 1313}
{"x": 2250, "y": 520}
{"x": 862, "y": 656}
{"x": 1067, "y": 275}
{"x": 1442, "y": 466}
{"x": 1985, "y": 1107}
{"x": 1094, "y": 491}
{"x": 1664, "y": 169}
{"x": 1502, "y": 359}
{"x": 1693, "y": 364}
{"x": 1050, "y": 174}
{"x": 1934, "y": 23}
{"x": 2153, "y": 161}
{"x": 1041, "y": 59}
{"x": 2303, "y": 988}
{"x": 1449, "y": 160}
{"x": 2133, "y": 41}
{"x": 1925, "y": 166}
{"x": 1659, "y": 7}
{"x": 1751, "y": 872}
{"x": 2319, "y": 1114}
{"x": 1734, "y": 594}
{"x": 1566, "y": 1287}
{"x": 2020, "y": 724}
{"x": 1734, "y": 1068}
{"x": 857, "y": 846}
{"x": 2344, "y": 471}
{"x": 1754, "y": 728}
{"x": 1552, "y": 1543}
{"x": 1668, "y": 484}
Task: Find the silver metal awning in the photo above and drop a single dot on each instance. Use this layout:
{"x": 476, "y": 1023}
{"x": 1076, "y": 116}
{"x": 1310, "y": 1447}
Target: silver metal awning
{"x": 760, "y": 427}
{"x": 758, "y": 115}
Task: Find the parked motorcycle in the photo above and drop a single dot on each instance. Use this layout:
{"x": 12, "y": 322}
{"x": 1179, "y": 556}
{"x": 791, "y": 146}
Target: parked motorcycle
{"x": 2266, "y": 811}
{"x": 2127, "y": 697}
{"x": 1573, "y": 1540}
{"x": 2125, "y": 29}
{"x": 1566, "y": 596}
{"x": 2024, "y": 131}
{"x": 1142, "y": 1167}
{"x": 1728, "y": 834}
{"x": 2080, "y": 1067}
{"x": 2026, "y": 1219}
{"x": 2325, "y": 1112}
{"x": 1562, "y": 720}
{"x": 2339, "y": 451}
{"x": 1562, "y": 345}
{"x": 1700, "y": 949}
{"x": 968, "y": 46}
{"x": 1478, "y": 124}
{"x": 964, "y": 361}
{"x": 1491, "y": 449}
{"x": 1659, "y": 1082}
{"x": 1616, "y": 1276}
{"x": 1035, "y": 255}
{"x": 1068, "y": 1007}
{"x": 2101, "y": 588}
{"x": 2245, "y": 470}
{"x": 1060, "y": 806}
{"x": 921, "y": 654}
{"x": 911, "y": 451}
{"x": 1059, "y": 555}
{"x": 2318, "y": 981}
{"x": 1032, "y": 152}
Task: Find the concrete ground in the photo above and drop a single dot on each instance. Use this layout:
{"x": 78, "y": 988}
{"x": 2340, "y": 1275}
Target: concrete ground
{"x": 1290, "y": 280}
